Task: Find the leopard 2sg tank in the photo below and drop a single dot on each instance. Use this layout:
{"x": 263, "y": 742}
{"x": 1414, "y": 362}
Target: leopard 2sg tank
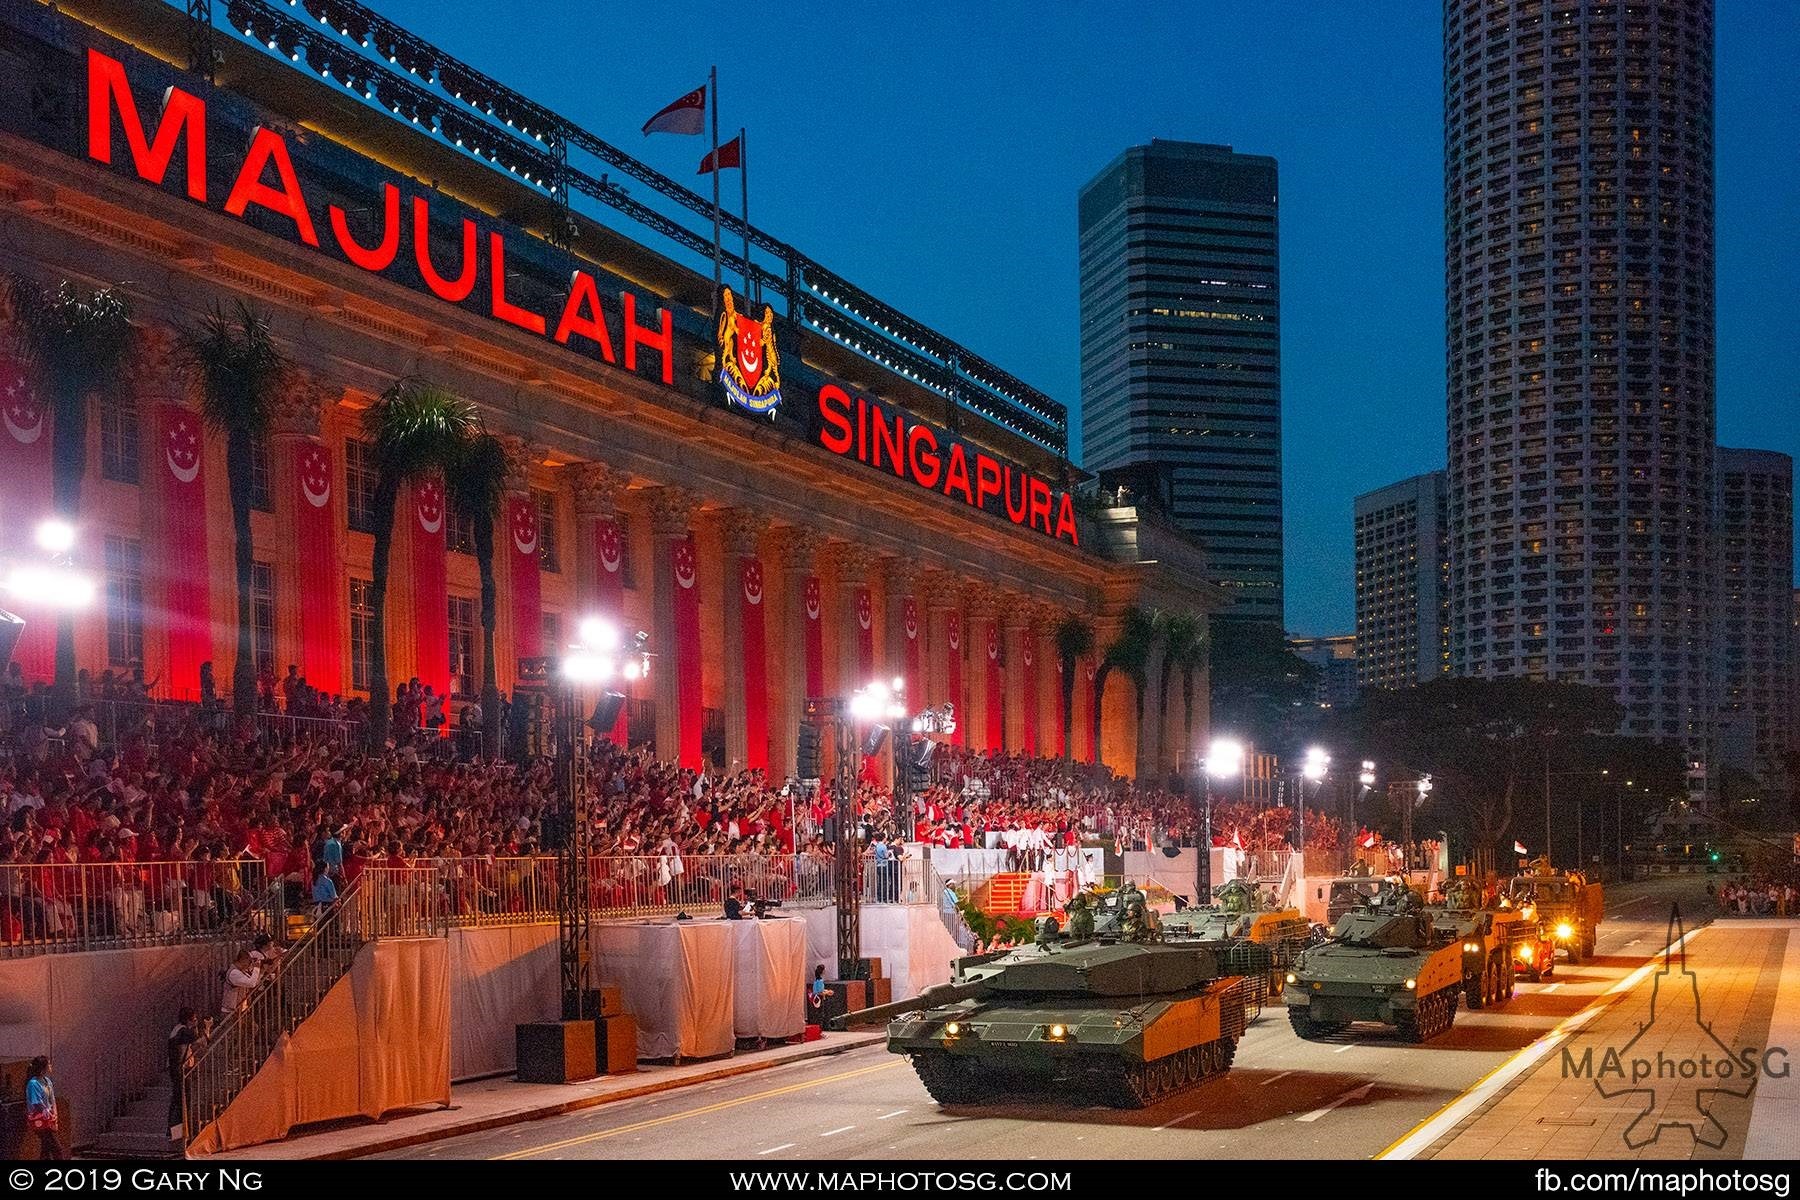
{"x": 1128, "y": 1019}
{"x": 1385, "y": 961}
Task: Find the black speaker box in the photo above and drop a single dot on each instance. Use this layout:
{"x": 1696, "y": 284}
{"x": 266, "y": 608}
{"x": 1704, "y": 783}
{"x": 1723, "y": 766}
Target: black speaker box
{"x": 556, "y": 1051}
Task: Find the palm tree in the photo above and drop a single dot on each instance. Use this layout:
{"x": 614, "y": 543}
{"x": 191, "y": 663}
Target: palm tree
{"x": 1074, "y": 642}
{"x": 415, "y": 427}
{"x": 240, "y": 370}
{"x": 1193, "y": 660}
{"x": 1129, "y": 655}
{"x": 76, "y": 345}
{"x": 476, "y": 484}
{"x": 1180, "y": 631}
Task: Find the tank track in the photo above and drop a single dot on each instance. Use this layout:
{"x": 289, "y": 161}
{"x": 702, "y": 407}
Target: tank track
{"x": 951, "y": 1080}
{"x": 1135, "y": 1085}
{"x": 1433, "y": 1015}
{"x": 1310, "y": 1029}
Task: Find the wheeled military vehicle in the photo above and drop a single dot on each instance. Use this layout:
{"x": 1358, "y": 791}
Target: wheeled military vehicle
{"x": 1129, "y": 1019}
{"x": 1256, "y": 939}
{"x": 1566, "y": 910}
{"x": 1384, "y": 961}
{"x": 1490, "y": 938}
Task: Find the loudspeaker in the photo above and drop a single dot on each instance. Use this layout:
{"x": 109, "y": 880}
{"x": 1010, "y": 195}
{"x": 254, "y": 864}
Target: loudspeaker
{"x": 616, "y": 1044}
{"x": 873, "y": 740}
{"x": 924, "y": 750}
{"x": 807, "y": 756}
{"x": 555, "y": 1051}
{"x": 606, "y": 712}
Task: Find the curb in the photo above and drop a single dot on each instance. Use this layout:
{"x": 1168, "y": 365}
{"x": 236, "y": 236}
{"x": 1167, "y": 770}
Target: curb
{"x": 725, "y": 1070}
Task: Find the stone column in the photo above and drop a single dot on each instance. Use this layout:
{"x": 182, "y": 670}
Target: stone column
{"x": 596, "y": 487}
{"x": 798, "y": 548}
{"x": 1149, "y": 734}
{"x": 900, "y": 578}
{"x": 1111, "y": 747}
{"x": 855, "y": 568}
{"x": 943, "y": 599}
{"x": 1017, "y": 624}
{"x": 981, "y": 609}
{"x": 742, "y": 530}
{"x": 295, "y": 430}
{"x": 671, "y": 510}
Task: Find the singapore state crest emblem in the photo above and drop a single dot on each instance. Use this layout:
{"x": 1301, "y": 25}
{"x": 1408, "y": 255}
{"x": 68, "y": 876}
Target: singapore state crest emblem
{"x": 749, "y": 367}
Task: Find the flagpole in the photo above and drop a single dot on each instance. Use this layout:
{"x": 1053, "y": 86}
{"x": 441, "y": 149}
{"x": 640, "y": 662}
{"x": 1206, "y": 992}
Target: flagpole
{"x": 744, "y": 179}
{"x": 718, "y": 278}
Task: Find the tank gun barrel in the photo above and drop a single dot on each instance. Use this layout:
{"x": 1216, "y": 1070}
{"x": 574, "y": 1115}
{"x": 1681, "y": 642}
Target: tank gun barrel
{"x": 933, "y": 997}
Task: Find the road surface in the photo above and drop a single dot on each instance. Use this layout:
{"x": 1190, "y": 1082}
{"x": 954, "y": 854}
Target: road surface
{"x": 1348, "y": 1097}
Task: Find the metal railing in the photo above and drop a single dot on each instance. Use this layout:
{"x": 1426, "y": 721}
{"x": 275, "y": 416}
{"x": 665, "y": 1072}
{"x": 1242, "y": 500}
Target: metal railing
{"x": 486, "y": 892}
{"x": 899, "y": 881}
{"x": 289, "y": 993}
{"x": 66, "y": 907}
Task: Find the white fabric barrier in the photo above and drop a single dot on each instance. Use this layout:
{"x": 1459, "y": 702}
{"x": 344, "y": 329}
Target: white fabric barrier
{"x": 769, "y": 961}
{"x": 677, "y": 979}
{"x": 499, "y": 979}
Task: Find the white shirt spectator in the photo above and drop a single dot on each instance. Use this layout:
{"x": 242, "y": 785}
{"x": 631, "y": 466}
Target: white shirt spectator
{"x": 238, "y": 986}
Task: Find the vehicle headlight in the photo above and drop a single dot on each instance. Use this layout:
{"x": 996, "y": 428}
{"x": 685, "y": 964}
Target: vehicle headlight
{"x": 1472, "y": 947}
{"x": 1411, "y": 984}
{"x": 952, "y": 1029}
{"x": 1530, "y": 911}
{"x": 1565, "y": 931}
{"x": 1058, "y": 1032}
{"x": 1292, "y": 978}
{"x": 1526, "y": 952}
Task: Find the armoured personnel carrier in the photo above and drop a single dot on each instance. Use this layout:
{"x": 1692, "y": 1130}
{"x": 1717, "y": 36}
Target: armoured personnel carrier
{"x": 1384, "y": 961}
{"x": 1490, "y": 938}
{"x": 1128, "y": 1017}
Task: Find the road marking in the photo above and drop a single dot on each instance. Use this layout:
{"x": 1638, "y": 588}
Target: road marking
{"x": 1548, "y": 988}
{"x": 1352, "y": 1094}
{"x": 1344, "y": 1047}
{"x": 895, "y": 1113}
{"x": 1276, "y": 1078}
{"x": 682, "y": 1116}
{"x": 773, "y": 1149}
{"x": 838, "y": 1130}
{"x": 1175, "y": 1122}
{"x": 1428, "y": 1131}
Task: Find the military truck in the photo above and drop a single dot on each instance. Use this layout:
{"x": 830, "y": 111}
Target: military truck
{"x": 1490, "y": 936}
{"x": 1127, "y": 1018}
{"x": 1385, "y": 961}
{"x": 1566, "y": 910}
{"x": 1257, "y": 939}
{"x": 1347, "y": 892}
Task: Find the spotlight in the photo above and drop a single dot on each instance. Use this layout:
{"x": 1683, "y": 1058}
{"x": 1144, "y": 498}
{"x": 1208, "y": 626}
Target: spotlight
{"x": 55, "y": 536}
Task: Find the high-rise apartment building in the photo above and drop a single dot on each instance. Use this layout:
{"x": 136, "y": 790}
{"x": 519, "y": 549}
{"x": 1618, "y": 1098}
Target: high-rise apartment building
{"x": 1756, "y": 647}
{"x": 1402, "y": 583}
{"x": 1181, "y": 348}
{"x": 1578, "y": 194}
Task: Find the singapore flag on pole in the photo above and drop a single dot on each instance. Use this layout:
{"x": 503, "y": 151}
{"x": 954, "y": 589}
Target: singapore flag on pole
{"x": 686, "y": 115}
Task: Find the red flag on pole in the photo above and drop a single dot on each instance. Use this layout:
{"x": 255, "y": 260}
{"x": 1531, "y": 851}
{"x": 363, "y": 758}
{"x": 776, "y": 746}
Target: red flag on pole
{"x": 730, "y": 155}
{"x": 686, "y": 115}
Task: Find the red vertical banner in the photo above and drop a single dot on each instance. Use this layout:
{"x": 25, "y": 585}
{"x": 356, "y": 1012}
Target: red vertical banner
{"x": 1093, "y": 712}
{"x": 996, "y": 700}
{"x": 814, "y": 600}
{"x": 1062, "y": 711}
{"x": 431, "y": 591}
{"x": 1029, "y": 701}
{"x": 909, "y": 619}
{"x": 315, "y": 537}
{"x": 527, "y": 605}
{"x": 180, "y": 560}
{"x": 686, "y": 569}
{"x": 756, "y": 671}
{"x": 24, "y": 503}
{"x": 953, "y": 665}
{"x": 865, "y": 635}
{"x": 609, "y": 594}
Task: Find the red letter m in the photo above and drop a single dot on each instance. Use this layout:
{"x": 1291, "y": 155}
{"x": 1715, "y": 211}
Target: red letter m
{"x": 106, "y": 86}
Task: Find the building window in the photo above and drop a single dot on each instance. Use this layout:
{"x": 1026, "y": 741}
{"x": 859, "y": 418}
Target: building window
{"x": 359, "y": 484}
{"x": 462, "y": 646}
{"x": 262, "y": 618}
{"x": 261, "y": 498}
{"x": 124, "y": 602}
{"x": 460, "y": 536}
{"x": 362, "y": 633}
{"x": 552, "y": 627}
{"x": 119, "y": 437}
{"x": 546, "y": 514}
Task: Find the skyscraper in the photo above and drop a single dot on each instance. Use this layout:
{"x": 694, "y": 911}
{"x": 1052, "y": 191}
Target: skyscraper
{"x": 1756, "y": 645}
{"x": 1181, "y": 348}
{"x": 1402, "y": 583}
{"x": 1578, "y": 195}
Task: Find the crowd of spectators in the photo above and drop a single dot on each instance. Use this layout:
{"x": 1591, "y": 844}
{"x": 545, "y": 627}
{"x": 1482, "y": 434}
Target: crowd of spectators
{"x": 1759, "y": 897}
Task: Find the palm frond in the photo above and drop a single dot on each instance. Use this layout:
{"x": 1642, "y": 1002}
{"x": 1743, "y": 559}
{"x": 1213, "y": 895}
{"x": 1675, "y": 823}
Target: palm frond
{"x": 476, "y": 478}
{"x": 239, "y": 366}
{"x": 76, "y": 342}
{"x": 417, "y": 426}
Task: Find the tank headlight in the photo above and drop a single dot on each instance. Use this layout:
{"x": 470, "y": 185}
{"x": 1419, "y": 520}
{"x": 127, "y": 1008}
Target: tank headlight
{"x": 1472, "y": 947}
{"x": 952, "y": 1029}
{"x": 1058, "y": 1032}
{"x": 1292, "y": 978}
{"x": 1411, "y": 984}
{"x": 1565, "y": 931}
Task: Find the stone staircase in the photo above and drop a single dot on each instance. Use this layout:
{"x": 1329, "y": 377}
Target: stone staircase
{"x": 141, "y": 1130}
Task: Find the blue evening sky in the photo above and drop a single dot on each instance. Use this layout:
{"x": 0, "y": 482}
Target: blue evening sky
{"x": 931, "y": 151}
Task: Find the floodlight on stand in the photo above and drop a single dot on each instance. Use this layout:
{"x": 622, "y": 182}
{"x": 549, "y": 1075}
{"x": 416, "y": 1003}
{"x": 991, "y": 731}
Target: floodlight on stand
{"x": 55, "y": 536}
